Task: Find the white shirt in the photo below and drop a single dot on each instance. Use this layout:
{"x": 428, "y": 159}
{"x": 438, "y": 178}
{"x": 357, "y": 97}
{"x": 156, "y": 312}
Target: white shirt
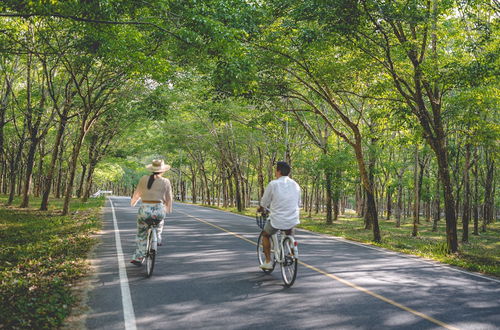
{"x": 282, "y": 197}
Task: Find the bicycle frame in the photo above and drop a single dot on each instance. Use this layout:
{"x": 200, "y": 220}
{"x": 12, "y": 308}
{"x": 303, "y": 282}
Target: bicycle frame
{"x": 279, "y": 255}
{"x": 152, "y": 231}
{"x": 151, "y": 247}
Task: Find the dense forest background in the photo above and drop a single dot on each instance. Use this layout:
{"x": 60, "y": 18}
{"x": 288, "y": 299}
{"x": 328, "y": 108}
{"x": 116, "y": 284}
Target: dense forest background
{"x": 385, "y": 109}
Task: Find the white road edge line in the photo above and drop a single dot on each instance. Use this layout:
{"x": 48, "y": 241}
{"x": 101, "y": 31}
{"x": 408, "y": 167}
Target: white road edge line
{"x": 128, "y": 307}
{"x": 400, "y": 254}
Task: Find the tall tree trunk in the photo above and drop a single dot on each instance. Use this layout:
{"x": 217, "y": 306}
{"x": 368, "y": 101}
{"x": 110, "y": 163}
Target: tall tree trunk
{"x": 89, "y": 180}
{"x": 3, "y": 109}
{"x": 399, "y": 209}
{"x": 437, "y": 207}
{"x": 336, "y": 194}
{"x": 55, "y": 152}
{"x": 488, "y": 209}
{"x": 359, "y": 201}
{"x": 260, "y": 173}
{"x": 39, "y": 183}
{"x": 30, "y": 162}
{"x": 475, "y": 207}
{"x": 449, "y": 202}
{"x": 225, "y": 194}
{"x": 329, "y": 197}
{"x": 72, "y": 167}
{"x": 371, "y": 216}
{"x": 15, "y": 168}
{"x": 193, "y": 184}
{"x": 237, "y": 189}
{"x": 205, "y": 181}
{"x": 317, "y": 200}
{"x": 416, "y": 200}
{"x": 60, "y": 182}
{"x": 466, "y": 206}
{"x": 230, "y": 188}
{"x": 389, "y": 203}
{"x": 79, "y": 191}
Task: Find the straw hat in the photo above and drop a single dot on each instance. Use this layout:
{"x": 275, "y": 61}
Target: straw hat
{"x": 158, "y": 165}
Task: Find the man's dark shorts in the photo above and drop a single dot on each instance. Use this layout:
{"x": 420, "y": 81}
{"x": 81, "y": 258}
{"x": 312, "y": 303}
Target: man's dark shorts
{"x": 271, "y": 230}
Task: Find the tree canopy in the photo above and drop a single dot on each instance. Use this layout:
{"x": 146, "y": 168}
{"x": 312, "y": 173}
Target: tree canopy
{"x": 388, "y": 109}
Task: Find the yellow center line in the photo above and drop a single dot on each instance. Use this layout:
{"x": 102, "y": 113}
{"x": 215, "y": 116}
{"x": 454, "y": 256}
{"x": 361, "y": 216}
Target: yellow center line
{"x": 341, "y": 280}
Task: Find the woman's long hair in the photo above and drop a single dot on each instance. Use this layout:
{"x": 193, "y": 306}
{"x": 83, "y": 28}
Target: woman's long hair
{"x": 152, "y": 179}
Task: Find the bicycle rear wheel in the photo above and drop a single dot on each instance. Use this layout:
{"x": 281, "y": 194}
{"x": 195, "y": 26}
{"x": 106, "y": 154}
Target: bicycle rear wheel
{"x": 290, "y": 263}
{"x": 150, "y": 254}
{"x": 262, "y": 257}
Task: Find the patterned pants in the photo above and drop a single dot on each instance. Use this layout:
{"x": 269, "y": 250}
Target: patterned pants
{"x": 147, "y": 211}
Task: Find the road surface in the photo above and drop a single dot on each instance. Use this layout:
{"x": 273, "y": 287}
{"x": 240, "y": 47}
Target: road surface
{"x": 206, "y": 277}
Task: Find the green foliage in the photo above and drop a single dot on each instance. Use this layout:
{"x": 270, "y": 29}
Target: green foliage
{"x": 43, "y": 254}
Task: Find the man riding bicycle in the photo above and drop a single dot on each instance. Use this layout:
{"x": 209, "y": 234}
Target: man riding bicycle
{"x": 282, "y": 198}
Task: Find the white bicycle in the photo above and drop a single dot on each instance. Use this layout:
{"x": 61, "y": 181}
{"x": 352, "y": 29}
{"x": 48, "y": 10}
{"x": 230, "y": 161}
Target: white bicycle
{"x": 284, "y": 250}
{"x": 151, "y": 245}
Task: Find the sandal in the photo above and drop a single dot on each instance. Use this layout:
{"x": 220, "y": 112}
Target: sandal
{"x": 136, "y": 262}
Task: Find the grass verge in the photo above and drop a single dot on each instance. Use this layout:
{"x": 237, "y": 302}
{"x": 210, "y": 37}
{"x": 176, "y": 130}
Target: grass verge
{"x": 480, "y": 254}
{"x": 42, "y": 255}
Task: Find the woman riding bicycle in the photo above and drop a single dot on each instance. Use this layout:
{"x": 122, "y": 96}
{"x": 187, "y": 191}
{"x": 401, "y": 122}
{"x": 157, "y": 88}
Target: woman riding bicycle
{"x": 282, "y": 197}
{"x": 156, "y": 194}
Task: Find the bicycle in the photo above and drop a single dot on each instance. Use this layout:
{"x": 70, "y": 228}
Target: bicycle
{"x": 151, "y": 245}
{"x": 284, "y": 250}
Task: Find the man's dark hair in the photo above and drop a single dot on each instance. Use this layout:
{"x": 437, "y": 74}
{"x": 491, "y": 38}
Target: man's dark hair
{"x": 283, "y": 168}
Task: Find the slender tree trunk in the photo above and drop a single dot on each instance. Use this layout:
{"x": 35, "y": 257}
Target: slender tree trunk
{"x": 230, "y": 180}
{"x": 3, "y": 109}
{"x": 79, "y": 191}
{"x": 193, "y": 185}
{"x": 39, "y": 183}
{"x": 437, "y": 200}
{"x": 475, "y": 207}
{"x": 30, "y": 162}
{"x": 466, "y": 206}
{"x": 359, "y": 201}
{"x": 260, "y": 173}
{"x": 399, "y": 209}
{"x": 205, "y": 180}
{"x": 488, "y": 209}
{"x": 237, "y": 189}
{"x": 371, "y": 215}
{"x": 72, "y": 168}
{"x": 20, "y": 181}
{"x": 329, "y": 196}
{"x": 416, "y": 196}
{"x": 60, "y": 182}
{"x": 389, "y": 203}
{"x": 224, "y": 189}
{"x": 15, "y": 169}
{"x": 55, "y": 151}
{"x": 317, "y": 199}
{"x": 89, "y": 180}
{"x": 449, "y": 205}
{"x": 336, "y": 194}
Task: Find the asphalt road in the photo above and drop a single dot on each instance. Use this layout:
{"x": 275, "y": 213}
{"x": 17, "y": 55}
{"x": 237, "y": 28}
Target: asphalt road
{"x": 206, "y": 277}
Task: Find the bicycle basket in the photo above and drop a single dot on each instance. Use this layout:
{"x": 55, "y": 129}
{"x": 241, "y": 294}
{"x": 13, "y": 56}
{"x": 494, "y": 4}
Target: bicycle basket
{"x": 261, "y": 220}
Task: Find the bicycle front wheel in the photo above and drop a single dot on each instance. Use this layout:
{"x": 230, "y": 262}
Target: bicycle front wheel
{"x": 290, "y": 263}
{"x": 262, "y": 257}
{"x": 150, "y": 254}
